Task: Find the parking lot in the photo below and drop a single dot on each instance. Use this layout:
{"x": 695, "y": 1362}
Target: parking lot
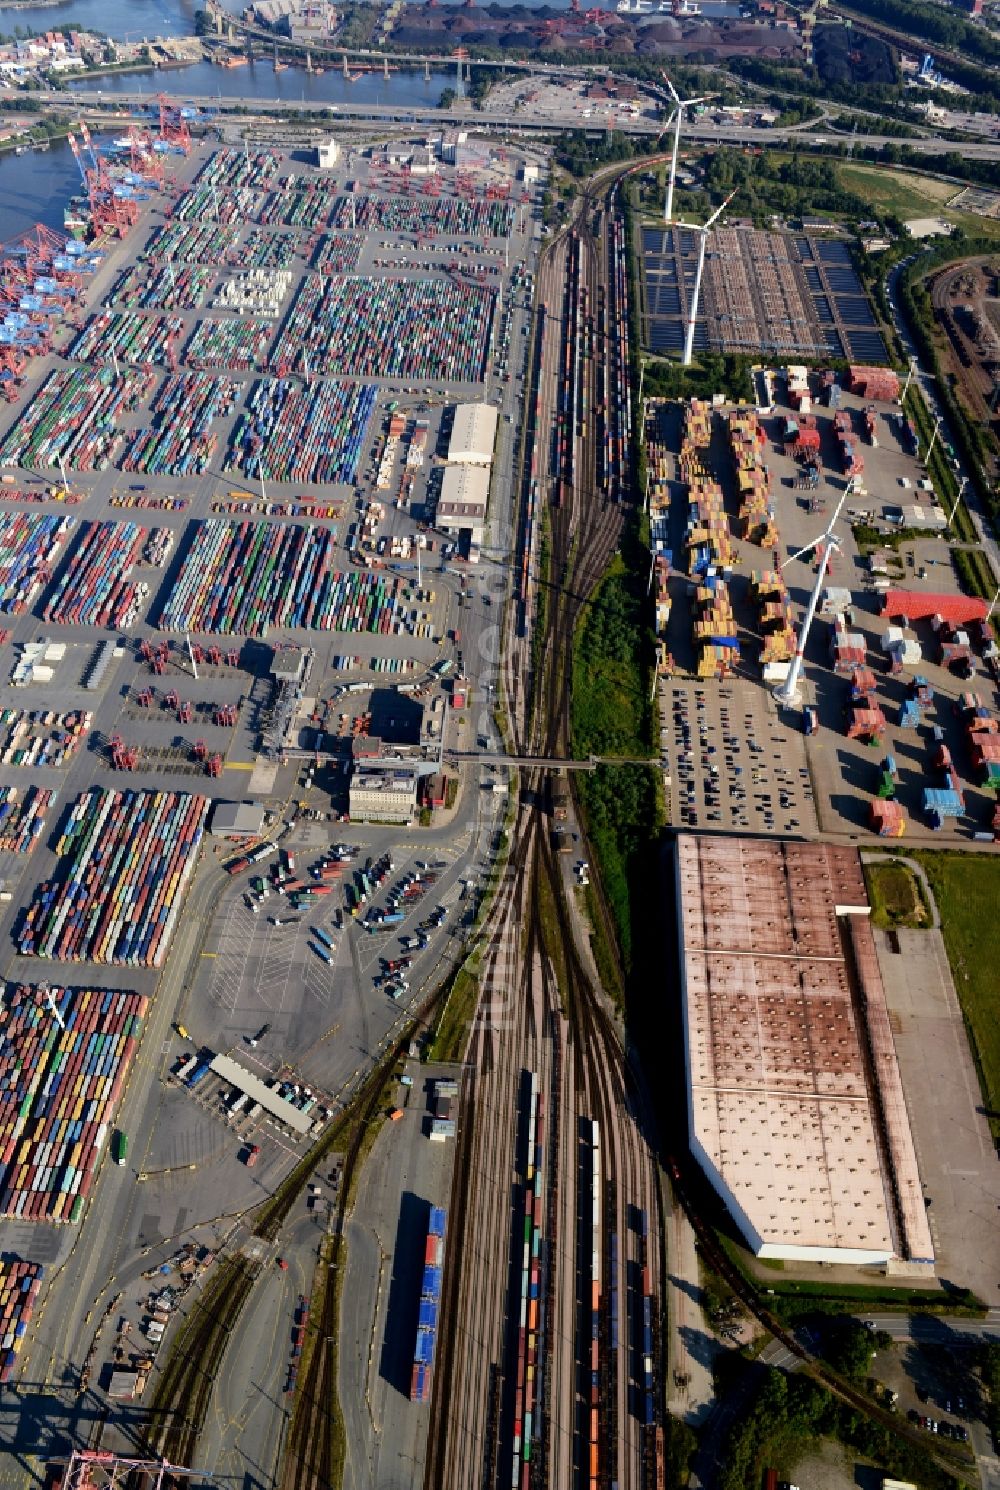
{"x": 328, "y": 1005}
{"x": 737, "y": 764}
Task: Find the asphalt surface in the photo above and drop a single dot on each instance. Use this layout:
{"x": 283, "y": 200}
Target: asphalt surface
{"x": 134, "y": 1222}
{"x": 520, "y": 123}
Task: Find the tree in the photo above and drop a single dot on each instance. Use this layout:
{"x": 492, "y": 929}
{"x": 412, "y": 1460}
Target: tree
{"x": 447, "y": 98}
{"x": 849, "y": 1348}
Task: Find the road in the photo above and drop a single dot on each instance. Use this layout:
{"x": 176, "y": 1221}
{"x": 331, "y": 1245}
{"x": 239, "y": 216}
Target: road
{"x": 928, "y": 387}
{"x": 488, "y": 121}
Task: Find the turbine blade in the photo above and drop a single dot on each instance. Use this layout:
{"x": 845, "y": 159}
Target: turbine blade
{"x": 799, "y": 553}
{"x": 719, "y": 210}
{"x": 673, "y": 90}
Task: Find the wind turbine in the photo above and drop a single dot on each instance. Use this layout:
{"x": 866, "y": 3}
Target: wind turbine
{"x": 680, "y": 105}
{"x": 703, "y": 232}
{"x": 788, "y": 691}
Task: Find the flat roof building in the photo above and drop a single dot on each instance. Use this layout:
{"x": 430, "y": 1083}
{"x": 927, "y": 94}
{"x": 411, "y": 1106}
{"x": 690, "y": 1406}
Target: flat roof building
{"x": 268, "y": 1097}
{"x": 385, "y": 793}
{"x": 473, "y": 434}
{"x": 465, "y": 492}
{"x": 237, "y": 820}
{"x": 795, "y": 1104}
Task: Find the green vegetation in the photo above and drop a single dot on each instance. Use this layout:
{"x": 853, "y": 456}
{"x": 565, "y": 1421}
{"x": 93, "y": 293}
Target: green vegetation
{"x": 331, "y": 1265}
{"x": 538, "y": 628}
{"x": 989, "y": 1366}
{"x": 790, "y": 1300}
{"x": 604, "y": 954}
{"x": 943, "y": 28}
{"x": 901, "y": 193}
{"x": 612, "y": 714}
{"x": 581, "y": 154}
{"x": 939, "y": 467}
{"x": 868, "y": 537}
{"x": 791, "y": 185}
{"x": 788, "y": 1414}
{"x": 452, "y": 1028}
{"x": 966, "y": 888}
{"x": 711, "y": 374}
{"x": 975, "y": 442}
{"x": 974, "y": 573}
{"x": 849, "y": 1347}
{"x": 681, "y": 1444}
{"x": 897, "y": 896}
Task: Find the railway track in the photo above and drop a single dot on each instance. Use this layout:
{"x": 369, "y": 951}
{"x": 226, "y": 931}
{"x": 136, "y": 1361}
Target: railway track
{"x": 584, "y": 1419}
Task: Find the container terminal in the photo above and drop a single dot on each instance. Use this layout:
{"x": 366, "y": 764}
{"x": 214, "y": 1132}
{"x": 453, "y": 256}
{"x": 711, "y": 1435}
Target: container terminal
{"x": 282, "y": 437}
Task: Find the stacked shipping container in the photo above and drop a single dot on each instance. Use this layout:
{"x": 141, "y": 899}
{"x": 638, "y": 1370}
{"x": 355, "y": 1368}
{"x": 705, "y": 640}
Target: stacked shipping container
{"x": 60, "y": 1082}
{"x": 125, "y": 860}
{"x": 430, "y": 1302}
{"x": 19, "y": 1285}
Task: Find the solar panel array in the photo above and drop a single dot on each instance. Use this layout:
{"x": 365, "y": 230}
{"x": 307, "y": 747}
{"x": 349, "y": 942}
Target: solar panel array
{"x": 781, "y": 294}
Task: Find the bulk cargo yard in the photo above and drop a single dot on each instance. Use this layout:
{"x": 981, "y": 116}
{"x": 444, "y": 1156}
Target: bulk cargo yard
{"x": 232, "y": 608}
{"x": 893, "y": 731}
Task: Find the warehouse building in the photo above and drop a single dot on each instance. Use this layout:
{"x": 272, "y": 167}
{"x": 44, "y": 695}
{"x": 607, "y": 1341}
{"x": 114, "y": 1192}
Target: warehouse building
{"x": 473, "y": 435}
{"x": 237, "y": 820}
{"x": 461, "y": 507}
{"x": 384, "y": 793}
{"x": 795, "y": 1104}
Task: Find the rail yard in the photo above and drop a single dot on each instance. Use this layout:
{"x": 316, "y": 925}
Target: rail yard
{"x": 311, "y": 465}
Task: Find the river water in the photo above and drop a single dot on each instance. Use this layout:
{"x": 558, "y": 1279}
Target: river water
{"x": 258, "y": 80}
{"x": 130, "y": 20}
{"x": 36, "y": 186}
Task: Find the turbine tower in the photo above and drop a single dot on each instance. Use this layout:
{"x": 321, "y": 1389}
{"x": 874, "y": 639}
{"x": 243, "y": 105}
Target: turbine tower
{"x": 788, "y": 691}
{"x": 703, "y": 232}
{"x": 680, "y": 104}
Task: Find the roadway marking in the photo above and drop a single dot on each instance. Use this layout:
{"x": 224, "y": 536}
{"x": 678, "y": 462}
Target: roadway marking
{"x": 240, "y": 766}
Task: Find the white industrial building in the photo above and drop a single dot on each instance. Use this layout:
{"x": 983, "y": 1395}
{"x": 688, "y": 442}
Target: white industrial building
{"x": 473, "y": 435}
{"x": 461, "y": 507}
{"x": 385, "y": 792}
{"x": 327, "y": 154}
{"x": 795, "y": 1104}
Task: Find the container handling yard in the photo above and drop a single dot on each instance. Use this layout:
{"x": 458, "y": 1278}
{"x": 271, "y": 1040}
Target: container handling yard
{"x": 311, "y": 464}
{"x": 234, "y": 593}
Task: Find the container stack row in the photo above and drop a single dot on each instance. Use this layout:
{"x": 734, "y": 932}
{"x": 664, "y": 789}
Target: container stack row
{"x": 430, "y": 1303}
{"x": 180, "y": 441}
{"x": 29, "y": 544}
{"x": 453, "y": 217}
{"x": 753, "y": 481}
{"x": 770, "y": 594}
{"x": 73, "y": 418}
{"x": 22, "y": 818}
{"x": 65, "y": 1055}
{"x": 125, "y": 859}
{"x": 41, "y": 737}
{"x": 338, "y": 253}
{"x": 362, "y": 327}
{"x": 243, "y": 578}
{"x": 162, "y": 287}
{"x": 238, "y": 345}
{"x": 142, "y": 340}
{"x": 19, "y": 1286}
{"x": 288, "y": 432}
{"x": 95, "y": 588}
